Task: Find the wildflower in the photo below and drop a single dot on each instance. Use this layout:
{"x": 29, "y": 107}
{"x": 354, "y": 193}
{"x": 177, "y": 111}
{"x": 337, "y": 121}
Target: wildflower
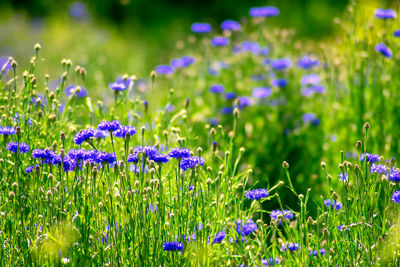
{"x": 83, "y": 135}
{"x": 381, "y": 13}
{"x": 173, "y": 246}
{"x": 217, "y": 89}
{"x": 342, "y": 176}
{"x": 149, "y": 151}
{"x": 188, "y": 60}
{"x": 318, "y": 89}
{"x": 265, "y": 11}
{"x": 179, "y": 153}
{"x": 132, "y": 158}
{"x": 252, "y": 47}
{"x": 230, "y": 95}
{"x": 310, "y": 79}
{"x": 15, "y": 147}
{"x": 287, "y": 214}
{"x": 164, "y": 69}
{"x": 379, "y": 168}
{"x": 291, "y": 247}
{"x": 244, "y": 230}
{"x": 124, "y": 130}
{"x": 201, "y": 27}
{"x": 160, "y": 158}
{"x": 219, "y": 237}
{"x": 315, "y": 252}
{"x": 396, "y": 33}
{"x": 394, "y": 176}
{"x": 69, "y": 164}
{"x": 76, "y": 91}
{"x": 307, "y": 63}
{"x": 257, "y": 194}
{"x": 384, "y": 50}
{"x": 117, "y": 86}
{"x": 281, "y": 64}
{"x": 226, "y": 110}
{"x": 372, "y": 158}
{"x": 100, "y": 133}
{"x": 262, "y": 92}
{"x": 270, "y": 261}
{"x": 340, "y": 226}
{"x": 110, "y": 126}
{"x": 5, "y": 130}
{"x": 219, "y": 41}
{"x": 310, "y": 117}
{"x": 105, "y": 157}
{"x": 29, "y": 169}
{"x": 191, "y": 162}
{"x": 245, "y": 101}
{"x": 396, "y": 197}
{"x": 279, "y": 82}
{"x": 230, "y": 25}
{"x": 333, "y": 204}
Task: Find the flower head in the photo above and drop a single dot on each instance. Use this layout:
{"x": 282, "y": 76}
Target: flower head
{"x": 191, "y": 162}
{"x": 381, "y": 13}
{"x": 201, "y": 27}
{"x": 279, "y": 82}
{"x": 378, "y": 168}
{"x": 230, "y": 25}
{"x": 265, "y": 11}
{"x": 117, "y": 86}
{"x": 396, "y": 33}
{"x": 310, "y": 79}
{"x": 257, "y": 194}
{"x": 281, "y": 64}
{"x": 179, "y": 153}
{"x": 15, "y": 147}
{"x": 219, "y": 41}
{"x": 110, "y": 126}
{"x": 287, "y": 214}
{"x": 149, "y": 151}
{"x": 5, "y": 130}
{"x": 384, "y": 50}
{"x": 124, "y": 130}
{"x": 307, "y": 62}
{"x": 333, "y": 204}
{"x": 219, "y": 237}
{"x": 83, "y": 135}
{"x": 247, "y": 228}
{"x": 315, "y": 253}
{"x": 372, "y": 158}
{"x": 160, "y": 158}
{"x": 217, "y": 89}
{"x": 342, "y": 176}
{"x": 290, "y": 246}
{"x": 396, "y": 197}
{"x": 164, "y": 69}
{"x": 76, "y": 91}
{"x": 173, "y": 246}
{"x": 270, "y": 261}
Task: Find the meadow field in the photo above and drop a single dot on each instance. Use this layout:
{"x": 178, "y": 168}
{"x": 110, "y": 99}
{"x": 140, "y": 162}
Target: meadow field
{"x": 240, "y": 144}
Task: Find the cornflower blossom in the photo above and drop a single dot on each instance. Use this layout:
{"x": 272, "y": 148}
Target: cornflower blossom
{"x": 378, "y": 168}
{"x": 307, "y": 62}
{"x": 333, "y": 204}
{"x": 396, "y": 197}
{"x": 117, "y": 86}
{"x": 372, "y": 158}
{"x": 219, "y": 237}
{"x": 5, "y": 130}
{"x": 270, "y": 261}
{"x": 219, "y": 41}
{"x": 230, "y": 25}
{"x": 315, "y": 253}
{"x": 257, "y": 194}
{"x": 164, "y": 69}
{"x": 381, "y": 13}
{"x": 191, "y": 162}
{"x": 384, "y": 50}
{"x": 124, "y": 130}
{"x": 287, "y": 214}
{"x": 201, "y": 27}
{"x": 310, "y": 79}
{"x": 173, "y": 246}
{"x": 77, "y": 91}
{"x": 17, "y": 147}
{"x": 265, "y": 12}
{"x": 290, "y": 247}
{"x": 342, "y": 176}
{"x": 281, "y": 64}
{"x": 279, "y": 82}
{"x": 110, "y": 126}
{"x": 247, "y": 228}
{"x": 179, "y": 153}
{"x": 83, "y": 135}
{"x": 217, "y": 88}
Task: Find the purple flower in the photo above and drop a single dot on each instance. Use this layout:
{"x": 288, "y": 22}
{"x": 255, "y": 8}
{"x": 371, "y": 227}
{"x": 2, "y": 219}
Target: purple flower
{"x": 76, "y": 91}
{"x": 249, "y": 227}
{"x": 287, "y": 214}
{"x": 290, "y": 246}
{"x": 29, "y": 169}
{"x": 173, "y": 246}
{"x": 245, "y": 101}
{"x": 217, "y": 89}
{"x": 265, "y": 11}
{"x": 384, "y": 50}
{"x": 279, "y": 82}
{"x": 110, "y": 126}
{"x": 394, "y": 175}
{"x": 381, "y": 13}
{"x": 191, "y": 162}
{"x": 310, "y": 117}
{"x": 257, "y": 194}
{"x": 262, "y": 92}
{"x": 201, "y": 27}
{"x": 342, "y": 176}
{"x": 310, "y": 79}
{"x": 100, "y": 134}
{"x": 252, "y": 47}
{"x": 124, "y": 130}
{"x": 270, "y": 261}
{"x": 83, "y": 135}
{"x": 160, "y": 158}
{"x": 372, "y": 158}
{"x": 219, "y": 237}
{"x": 5, "y": 66}
{"x": 105, "y": 157}
{"x": 379, "y": 168}
{"x": 230, "y": 95}
{"x": 219, "y": 41}
{"x": 333, "y": 204}
{"x": 307, "y": 62}
{"x": 5, "y": 130}
{"x": 149, "y": 151}
{"x": 179, "y": 153}
{"x": 15, "y": 147}
{"x": 396, "y": 197}
{"x": 281, "y": 64}
{"x": 396, "y": 33}
{"x": 315, "y": 253}
{"x": 230, "y": 25}
{"x": 164, "y": 69}
{"x": 78, "y": 10}
{"x": 117, "y": 86}
{"x": 132, "y": 158}
{"x": 226, "y": 110}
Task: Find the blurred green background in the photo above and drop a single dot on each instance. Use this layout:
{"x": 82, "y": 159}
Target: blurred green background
{"x": 135, "y": 35}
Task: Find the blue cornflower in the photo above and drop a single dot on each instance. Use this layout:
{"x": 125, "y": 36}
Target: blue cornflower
{"x": 149, "y": 151}
{"x": 250, "y": 46}
{"x": 287, "y": 214}
{"x": 245, "y": 101}
{"x": 270, "y": 261}
{"x": 69, "y": 164}
{"x": 219, "y": 237}
{"x": 5, "y": 130}
{"x": 310, "y": 79}
{"x": 160, "y": 158}
{"x": 49, "y": 157}
{"x": 279, "y": 82}
{"x": 132, "y": 158}
{"x": 310, "y": 117}
{"x": 76, "y": 91}
{"x": 394, "y": 175}
{"x": 5, "y": 66}
{"x": 77, "y": 154}
{"x": 230, "y": 25}
{"x": 219, "y": 41}
{"x": 124, "y": 130}
{"x": 100, "y": 133}
{"x": 290, "y": 246}
{"x": 191, "y": 162}
{"x": 14, "y": 147}
{"x": 333, "y": 204}
{"x": 226, "y": 110}
{"x": 318, "y": 89}
{"x": 173, "y": 246}
{"x": 307, "y": 62}
{"x": 379, "y": 168}
{"x": 372, "y": 158}
{"x": 281, "y": 64}
{"x": 213, "y": 121}
{"x": 384, "y": 50}
{"x": 177, "y": 63}
{"x": 29, "y": 169}
{"x": 396, "y": 33}
{"x": 188, "y": 60}
{"x": 315, "y": 253}
{"x": 381, "y": 13}
{"x": 117, "y": 86}
{"x": 396, "y": 197}
{"x": 265, "y": 11}
{"x": 262, "y": 92}
{"x": 217, "y": 89}
{"x": 179, "y": 153}
{"x": 342, "y": 176}
{"x": 110, "y": 126}
{"x": 230, "y": 95}
{"x": 249, "y": 227}
{"x": 201, "y": 27}
{"x": 164, "y": 69}
{"x": 257, "y": 193}
{"x": 83, "y": 135}
{"x": 105, "y": 157}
